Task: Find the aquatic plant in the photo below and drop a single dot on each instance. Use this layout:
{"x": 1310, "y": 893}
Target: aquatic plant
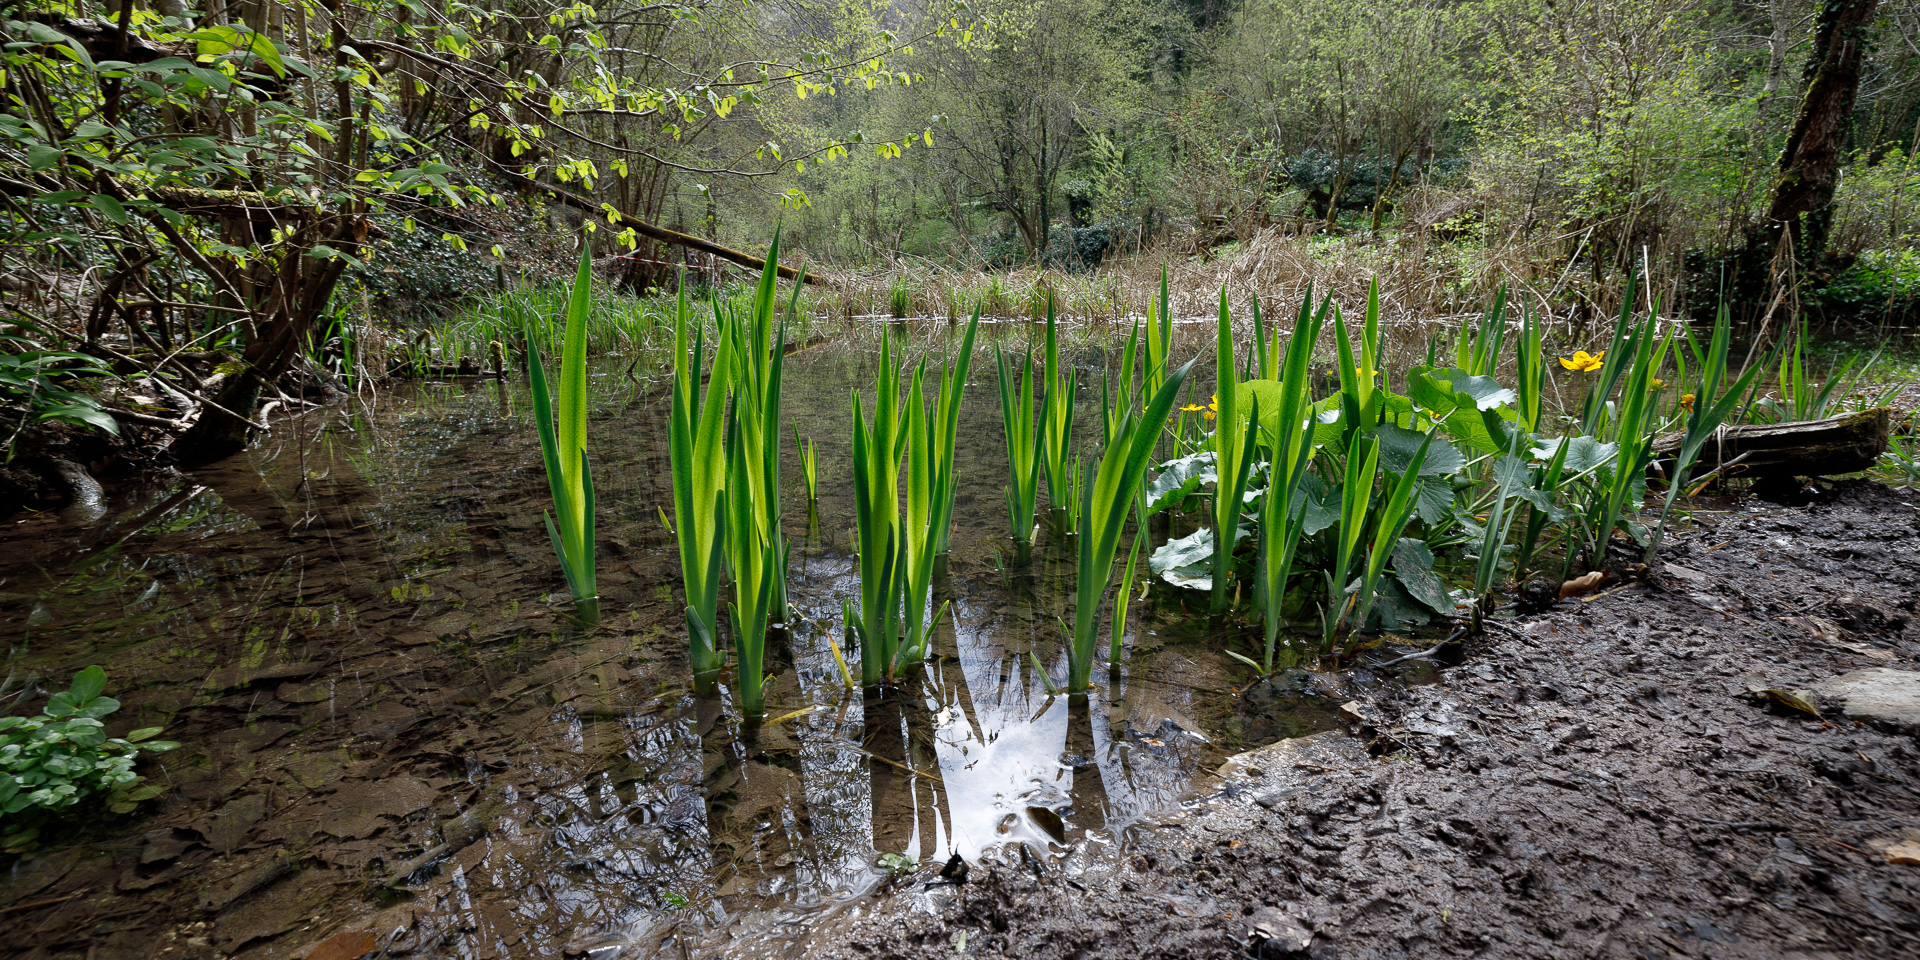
{"x": 697, "y": 453}
{"x": 1159, "y": 337}
{"x": 942, "y": 454}
{"x": 921, "y": 459}
{"x": 877, "y": 446}
{"x": 1233, "y": 439}
{"x": 563, "y": 443}
{"x": 900, "y": 298}
{"x": 1105, "y": 500}
{"x": 1631, "y": 426}
{"x": 1710, "y": 408}
{"x": 1286, "y": 431}
{"x": 809, "y": 466}
{"x": 1477, "y": 350}
{"x": 1056, "y": 430}
{"x": 1801, "y": 395}
{"x": 1023, "y": 448}
{"x": 1121, "y": 596}
{"x": 756, "y": 547}
{"x": 1529, "y": 372}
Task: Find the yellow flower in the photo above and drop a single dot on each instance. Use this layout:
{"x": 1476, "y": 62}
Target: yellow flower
{"x": 1657, "y": 383}
{"x": 1686, "y": 400}
{"x": 1582, "y": 361}
{"x": 1192, "y": 408}
{"x": 1213, "y": 407}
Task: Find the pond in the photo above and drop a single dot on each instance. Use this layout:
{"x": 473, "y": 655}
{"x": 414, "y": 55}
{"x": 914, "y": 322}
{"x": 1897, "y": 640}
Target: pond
{"x": 359, "y": 631}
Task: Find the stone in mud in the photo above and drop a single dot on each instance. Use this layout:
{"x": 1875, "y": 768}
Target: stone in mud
{"x": 1271, "y": 933}
{"x": 1886, "y": 698}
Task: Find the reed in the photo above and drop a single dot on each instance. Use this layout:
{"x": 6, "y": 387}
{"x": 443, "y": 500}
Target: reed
{"x": 1023, "y": 449}
{"x": 1233, "y": 439}
{"x": 876, "y": 493}
{"x": 755, "y": 543}
{"x": 1106, "y": 500}
{"x": 698, "y": 456}
{"x": 1389, "y": 524}
{"x": 563, "y": 444}
{"x": 1056, "y": 431}
{"x": 809, "y": 466}
{"x": 944, "y": 457}
{"x": 1711, "y": 406}
{"x": 1642, "y": 352}
{"x": 1289, "y": 445}
{"x": 1530, "y": 372}
{"x": 900, "y": 298}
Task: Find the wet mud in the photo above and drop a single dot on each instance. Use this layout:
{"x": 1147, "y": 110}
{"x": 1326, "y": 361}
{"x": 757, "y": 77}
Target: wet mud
{"x": 1605, "y": 779}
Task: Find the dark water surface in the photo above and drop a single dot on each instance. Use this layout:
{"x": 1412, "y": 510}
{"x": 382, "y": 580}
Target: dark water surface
{"x": 359, "y": 631}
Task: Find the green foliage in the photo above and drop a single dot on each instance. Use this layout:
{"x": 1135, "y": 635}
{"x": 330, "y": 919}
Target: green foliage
{"x": 1106, "y": 498}
{"x": 756, "y": 547}
{"x": 41, "y": 381}
{"x": 1882, "y": 282}
{"x": 563, "y": 443}
{"x": 1056, "y": 429}
{"x": 877, "y": 447}
{"x": 944, "y": 456}
{"x": 698, "y": 457}
{"x": 1023, "y": 446}
{"x": 1233, "y": 440}
{"x": 52, "y": 762}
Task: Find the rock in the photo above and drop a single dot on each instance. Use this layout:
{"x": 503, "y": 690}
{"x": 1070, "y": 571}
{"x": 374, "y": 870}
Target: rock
{"x": 1272, "y": 933}
{"x": 1275, "y": 796}
{"x": 1881, "y": 696}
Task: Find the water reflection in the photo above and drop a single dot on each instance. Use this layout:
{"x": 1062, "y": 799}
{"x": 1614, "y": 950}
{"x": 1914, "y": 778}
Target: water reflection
{"x": 359, "y": 621}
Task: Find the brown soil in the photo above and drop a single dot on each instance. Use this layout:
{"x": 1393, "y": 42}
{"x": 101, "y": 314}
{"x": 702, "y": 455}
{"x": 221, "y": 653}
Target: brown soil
{"x": 1593, "y": 781}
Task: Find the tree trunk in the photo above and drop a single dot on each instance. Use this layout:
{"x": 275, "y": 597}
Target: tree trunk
{"x": 1800, "y": 208}
{"x": 300, "y": 289}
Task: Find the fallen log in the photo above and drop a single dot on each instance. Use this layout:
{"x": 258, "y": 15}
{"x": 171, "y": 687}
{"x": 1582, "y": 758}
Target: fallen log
{"x": 1848, "y": 443}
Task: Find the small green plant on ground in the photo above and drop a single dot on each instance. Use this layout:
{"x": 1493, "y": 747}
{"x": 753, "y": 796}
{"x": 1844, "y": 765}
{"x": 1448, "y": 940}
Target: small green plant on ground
{"x": 51, "y": 763}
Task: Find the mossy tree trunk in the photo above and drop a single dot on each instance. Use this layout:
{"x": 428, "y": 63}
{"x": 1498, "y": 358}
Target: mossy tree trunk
{"x": 1793, "y": 234}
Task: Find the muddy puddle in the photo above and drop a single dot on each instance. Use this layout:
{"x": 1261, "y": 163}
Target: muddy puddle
{"x": 358, "y": 631}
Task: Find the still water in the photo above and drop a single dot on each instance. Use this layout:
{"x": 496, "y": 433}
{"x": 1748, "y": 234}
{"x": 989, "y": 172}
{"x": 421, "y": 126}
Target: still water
{"x": 359, "y": 631}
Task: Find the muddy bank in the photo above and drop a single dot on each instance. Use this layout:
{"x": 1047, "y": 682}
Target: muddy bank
{"x": 1597, "y": 780}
